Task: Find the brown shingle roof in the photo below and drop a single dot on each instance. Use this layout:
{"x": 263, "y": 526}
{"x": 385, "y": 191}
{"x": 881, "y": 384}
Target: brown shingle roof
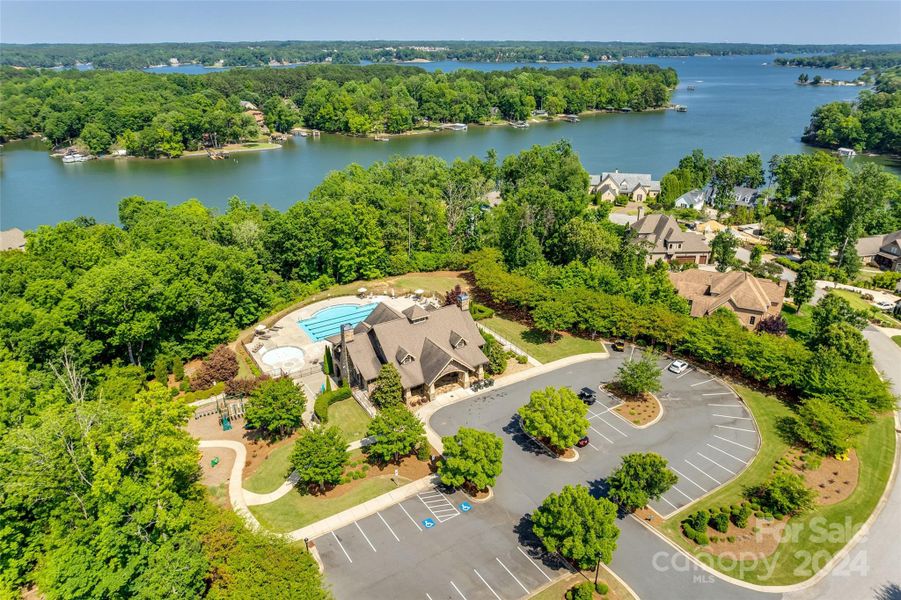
{"x": 710, "y": 290}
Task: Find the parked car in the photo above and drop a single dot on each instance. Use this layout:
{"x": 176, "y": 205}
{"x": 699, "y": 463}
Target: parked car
{"x": 885, "y": 305}
{"x": 583, "y": 442}
{"x": 678, "y": 367}
{"x": 619, "y": 345}
{"x": 588, "y": 396}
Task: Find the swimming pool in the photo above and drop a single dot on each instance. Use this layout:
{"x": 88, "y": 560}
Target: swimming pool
{"x": 328, "y": 321}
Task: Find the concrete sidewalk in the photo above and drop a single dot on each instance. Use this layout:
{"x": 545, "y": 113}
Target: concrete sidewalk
{"x": 235, "y": 488}
{"x": 361, "y": 511}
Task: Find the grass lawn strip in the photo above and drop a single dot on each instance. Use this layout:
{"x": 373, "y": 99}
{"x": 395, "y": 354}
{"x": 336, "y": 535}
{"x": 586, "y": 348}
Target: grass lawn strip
{"x": 350, "y": 418}
{"x": 859, "y": 303}
{"x": 897, "y": 339}
{"x": 272, "y": 472}
{"x": 535, "y": 343}
{"x": 875, "y": 448}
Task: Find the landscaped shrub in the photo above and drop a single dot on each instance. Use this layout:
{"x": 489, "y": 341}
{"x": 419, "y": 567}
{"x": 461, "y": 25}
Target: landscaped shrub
{"x": 720, "y": 522}
{"x": 178, "y": 368}
{"x": 204, "y": 394}
{"x": 480, "y": 311}
{"x": 784, "y": 494}
{"x": 740, "y": 515}
{"x": 221, "y": 365}
{"x": 698, "y": 520}
{"x": 497, "y": 357}
{"x": 582, "y": 591}
{"x": 326, "y": 399}
{"x": 522, "y": 359}
{"x": 422, "y": 453}
{"x": 698, "y": 537}
{"x": 602, "y": 588}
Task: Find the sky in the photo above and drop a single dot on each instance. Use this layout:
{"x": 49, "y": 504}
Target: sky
{"x": 761, "y": 21}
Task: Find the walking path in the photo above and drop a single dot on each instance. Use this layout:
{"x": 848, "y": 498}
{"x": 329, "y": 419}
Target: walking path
{"x": 235, "y": 480}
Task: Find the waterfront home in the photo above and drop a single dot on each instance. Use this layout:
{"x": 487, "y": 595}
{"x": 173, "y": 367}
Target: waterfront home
{"x": 751, "y": 298}
{"x": 745, "y": 197}
{"x": 693, "y": 199}
{"x": 637, "y": 186}
{"x": 846, "y": 152}
{"x": 665, "y": 240}
{"x": 433, "y": 349}
{"x": 12, "y": 239}
{"x": 884, "y": 251}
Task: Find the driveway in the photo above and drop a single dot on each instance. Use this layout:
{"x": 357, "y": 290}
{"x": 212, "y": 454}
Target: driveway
{"x": 440, "y": 545}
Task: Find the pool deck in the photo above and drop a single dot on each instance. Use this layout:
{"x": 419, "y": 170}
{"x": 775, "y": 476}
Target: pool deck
{"x": 289, "y": 333}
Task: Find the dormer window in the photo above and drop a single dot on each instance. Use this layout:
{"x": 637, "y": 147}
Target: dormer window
{"x": 407, "y": 359}
{"x": 457, "y": 340}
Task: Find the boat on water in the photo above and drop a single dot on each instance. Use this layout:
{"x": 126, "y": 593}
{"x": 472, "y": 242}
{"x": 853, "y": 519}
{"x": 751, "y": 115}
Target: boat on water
{"x": 75, "y": 157}
{"x": 519, "y": 124}
{"x": 690, "y": 88}
{"x": 681, "y": 108}
{"x": 571, "y": 118}
{"x": 457, "y": 126}
{"x": 381, "y": 138}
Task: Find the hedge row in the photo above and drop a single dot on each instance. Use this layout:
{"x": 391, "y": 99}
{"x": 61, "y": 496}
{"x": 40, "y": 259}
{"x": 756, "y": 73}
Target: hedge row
{"x": 694, "y": 526}
{"x": 326, "y": 399}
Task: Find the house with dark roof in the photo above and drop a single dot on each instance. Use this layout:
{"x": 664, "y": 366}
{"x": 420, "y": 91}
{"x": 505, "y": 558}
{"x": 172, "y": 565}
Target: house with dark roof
{"x": 751, "y": 298}
{"x": 883, "y": 251}
{"x": 637, "y": 186}
{"x": 665, "y": 240}
{"x": 433, "y": 349}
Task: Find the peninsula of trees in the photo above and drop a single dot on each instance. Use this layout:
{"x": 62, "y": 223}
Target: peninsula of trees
{"x": 256, "y": 54}
{"x": 163, "y": 115}
{"x": 847, "y": 60}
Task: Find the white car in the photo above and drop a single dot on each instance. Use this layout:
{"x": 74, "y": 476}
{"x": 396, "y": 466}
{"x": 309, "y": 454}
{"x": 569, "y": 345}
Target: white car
{"x": 678, "y": 367}
{"x": 885, "y": 305}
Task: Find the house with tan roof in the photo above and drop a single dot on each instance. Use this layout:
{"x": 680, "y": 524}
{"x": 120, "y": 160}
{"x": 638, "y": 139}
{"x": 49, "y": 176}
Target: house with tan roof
{"x": 637, "y": 186}
{"x": 883, "y": 251}
{"x": 12, "y": 239}
{"x": 433, "y": 349}
{"x": 752, "y": 299}
{"x": 665, "y": 240}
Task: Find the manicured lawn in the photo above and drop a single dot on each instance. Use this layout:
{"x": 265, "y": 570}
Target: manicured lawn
{"x": 350, "y": 418}
{"x": 536, "y": 342}
{"x": 860, "y": 304}
{"x": 875, "y": 449}
{"x": 798, "y": 325}
{"x": 272, "y": 472}
{"x": 897, "y": 339}
{"x": 436, "y": 283}
{"x": 295, "y": 510}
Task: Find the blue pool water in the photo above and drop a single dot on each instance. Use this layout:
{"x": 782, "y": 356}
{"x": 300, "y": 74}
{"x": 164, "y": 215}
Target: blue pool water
{"x": 328, "y": 321}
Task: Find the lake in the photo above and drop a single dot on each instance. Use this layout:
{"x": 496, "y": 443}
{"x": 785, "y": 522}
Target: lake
{"x": 738, "y": 106}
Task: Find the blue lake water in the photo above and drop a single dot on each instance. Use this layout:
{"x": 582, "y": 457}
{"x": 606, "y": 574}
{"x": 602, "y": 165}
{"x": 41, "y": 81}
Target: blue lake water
{"x": 739, "y": 105}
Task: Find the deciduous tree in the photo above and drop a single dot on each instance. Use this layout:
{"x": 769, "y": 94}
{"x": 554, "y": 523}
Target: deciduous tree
{"x": 319, "y": 456}
{"x": 640, "y": 478}
{"x": 471, "y": 457}
{"x": 388, "y": 389}
{"x": 396, "y": 431}
{"x": 637, "y": 377}
{"x": 556, "y": 416}
{"x": 276, "y": 405}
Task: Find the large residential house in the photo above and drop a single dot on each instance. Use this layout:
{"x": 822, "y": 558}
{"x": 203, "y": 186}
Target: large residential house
{"x": 433, "y": 350}
{"x": 752, "y": 299}
{"x": 744, "y": 197}
{"x": 637, "y": 186}
{"x": 666, "y": 240}
{"x": 884, "y": 251}
{"x": 12, "y": 239}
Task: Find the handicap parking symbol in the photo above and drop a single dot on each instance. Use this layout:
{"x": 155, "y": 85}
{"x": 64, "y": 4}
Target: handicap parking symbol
{"x": 465, "y": 507}
{"x": 428, "y": 523}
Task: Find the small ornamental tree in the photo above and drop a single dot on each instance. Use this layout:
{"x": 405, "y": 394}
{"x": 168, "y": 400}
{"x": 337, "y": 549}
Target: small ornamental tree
{"x": 327, "y": 364}
{"x": 388, "y": 389}
{"x": 161, "y": 370}
{"x": 220, "y": 365}
{"x": 451, "y": 297}
{"x": 319, "y": 457}
{"x": 784, "y": 493}
{"x": 638, "y": 377}
{"x": 178, "y": 368}
{"x": 640, "y": 478}
{"x": 823, "y": 427}
{"x": 396, "y": 431}
{"x": 497, "y": 358}
{"x": 553, "y": 316}
{"x": 773, "y": 324}
{"x": 579, "y": 526}
{"x": 556, "y": 416}
{"x": 276, "y": 405}
{"x": 472, "y": 458}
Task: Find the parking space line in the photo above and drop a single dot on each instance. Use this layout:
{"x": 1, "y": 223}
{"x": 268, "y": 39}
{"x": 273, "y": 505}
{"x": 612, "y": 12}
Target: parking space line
{"x": 427, "y": 596}
{"x": 684, "y": 374}
{"x": 731, "y": 405}
{"x": 703, "y": 472}
{"x": 486, "y": 584}
{"x": 534, "y": 564}
{"x": 458, "y": 590}
{"x": 703, "y": 489}
{"x": 593, "y": 446}
{"x": 703, "y": 382}
{"x": 632, "y": 353}
{"x": 364, "y": 536}
{"x": 349, "y": 559}
{"x": 615, "y": 427}
{"x": 591, "y": 427}
{"x": 449, "y": 511}
{"x": 524, "y": 588}
{"x": 732, "y": 417}
{"x": 592, "y": 415}
{"x": 718, "y": 394}
{"x": 683, "y": 493}
{"x": 736, "y": 443}
{"x": 737, "y": 428}
{"x": 411, "y": 518}
{"x": 668, "y": 502}
{"x": 728, "y": 470}
{"x": 388, "y": 526}
{"x": 727, "y": 454}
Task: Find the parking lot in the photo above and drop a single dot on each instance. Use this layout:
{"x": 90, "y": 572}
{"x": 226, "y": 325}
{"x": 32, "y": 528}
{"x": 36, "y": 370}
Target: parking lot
{"x": 487, "y": 550}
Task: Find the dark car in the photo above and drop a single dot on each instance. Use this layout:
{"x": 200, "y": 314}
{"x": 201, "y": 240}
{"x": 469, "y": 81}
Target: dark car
{"x": 583, "y": 442}
{"x": 619, "y": 345}
{"x": 587, "y": 395}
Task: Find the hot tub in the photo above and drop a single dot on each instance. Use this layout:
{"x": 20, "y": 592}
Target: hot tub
{"x": 286, "y": 358}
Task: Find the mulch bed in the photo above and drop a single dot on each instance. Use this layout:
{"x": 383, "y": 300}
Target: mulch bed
{"x": 639, "y": 411}
{"x": 835, "y": 480}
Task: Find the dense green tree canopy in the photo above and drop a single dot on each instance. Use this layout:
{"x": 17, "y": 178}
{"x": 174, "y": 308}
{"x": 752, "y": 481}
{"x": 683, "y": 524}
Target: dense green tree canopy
{"x": 276, "y": 406}
{"x": 556, "y": 416}
{"x": 396, "y": 431}
{"x": 319, "y": 456}
{"x": 471, "y": 457}
{"x": 640, "y": 478}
